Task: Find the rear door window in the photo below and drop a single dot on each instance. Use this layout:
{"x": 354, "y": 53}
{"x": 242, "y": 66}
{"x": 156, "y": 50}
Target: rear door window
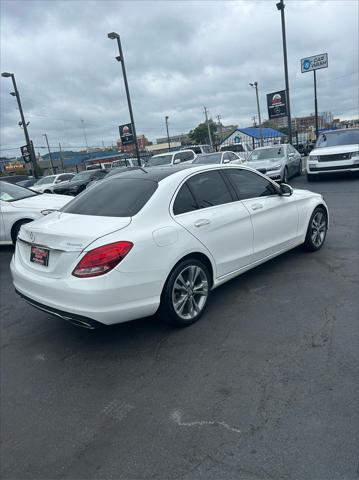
{"x": 115, "y": 197}
{"x": 185, "y": 201}
{"x": 209, "y": 189}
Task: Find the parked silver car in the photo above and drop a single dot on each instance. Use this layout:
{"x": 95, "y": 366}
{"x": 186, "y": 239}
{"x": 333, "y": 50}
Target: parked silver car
{"x": 279, "y": 162}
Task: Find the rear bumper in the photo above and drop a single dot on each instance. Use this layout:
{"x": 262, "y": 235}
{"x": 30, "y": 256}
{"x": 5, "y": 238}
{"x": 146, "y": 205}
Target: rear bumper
{"x": 113, "y": 298}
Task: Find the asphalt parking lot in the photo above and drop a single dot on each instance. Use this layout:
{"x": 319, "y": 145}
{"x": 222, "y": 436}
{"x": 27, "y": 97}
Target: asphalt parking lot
{"x": 265, "y": 386}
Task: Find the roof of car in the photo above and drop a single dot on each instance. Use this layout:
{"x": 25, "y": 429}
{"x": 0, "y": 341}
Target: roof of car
{"x": 152, "y": 173}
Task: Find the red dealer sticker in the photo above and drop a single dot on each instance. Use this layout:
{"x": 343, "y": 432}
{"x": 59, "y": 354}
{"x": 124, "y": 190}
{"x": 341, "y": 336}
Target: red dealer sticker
{"x": 39, "y": 256}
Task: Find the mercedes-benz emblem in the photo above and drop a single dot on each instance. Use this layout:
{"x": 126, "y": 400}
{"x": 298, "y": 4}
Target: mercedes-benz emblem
{"x": 32, "y": 237}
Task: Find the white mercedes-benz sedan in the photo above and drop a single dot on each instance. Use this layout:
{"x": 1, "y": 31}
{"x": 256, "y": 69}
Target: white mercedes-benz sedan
{"x": 160, "y": 239}
{"x": 19, "y": 205}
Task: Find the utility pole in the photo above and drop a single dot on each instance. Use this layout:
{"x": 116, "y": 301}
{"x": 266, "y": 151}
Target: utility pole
{"x": 280, "y": 6}
{"x": 255, "y": 85}
{"x": 23, "y": 123}
{"x": 50, "y": 156}
{"x": 61, "y": 159}
{"x": 316, "y": 105}
{"x": 208, "y": 127}
{"x": 83, "y": 129}
{"x": 168, "y": 135}
{"x": 120, "y": 58}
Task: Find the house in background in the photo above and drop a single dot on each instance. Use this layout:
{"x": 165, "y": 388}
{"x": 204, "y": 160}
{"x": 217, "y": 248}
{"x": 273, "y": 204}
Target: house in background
{"x": 252, "y": 136}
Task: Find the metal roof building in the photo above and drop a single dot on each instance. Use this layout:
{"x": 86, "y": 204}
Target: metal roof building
{"x": 252, "y": 135}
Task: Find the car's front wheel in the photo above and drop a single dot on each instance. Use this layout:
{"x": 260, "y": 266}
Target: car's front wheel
{"x": 317, "y": 230}
{"x": 185, "y": 294}
{"x": 285, "y": 176}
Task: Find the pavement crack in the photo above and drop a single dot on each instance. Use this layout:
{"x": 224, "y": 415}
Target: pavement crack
{"x": 176, "y": 416}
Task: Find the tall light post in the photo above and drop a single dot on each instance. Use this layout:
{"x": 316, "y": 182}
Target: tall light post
{"x": 255, "y": 85}
{"x": 205, "y": 111}
{"x": 50, "y": 156}
{"x": 168, "y": 135}
{"x": 23, "y": 122}
{"x": 120, "y": 58}
{"x": 280, "y": 6}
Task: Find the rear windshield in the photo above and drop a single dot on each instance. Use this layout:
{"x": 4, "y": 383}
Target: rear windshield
{"x": 115, "y": 197}
{"x": 341, "y": 137}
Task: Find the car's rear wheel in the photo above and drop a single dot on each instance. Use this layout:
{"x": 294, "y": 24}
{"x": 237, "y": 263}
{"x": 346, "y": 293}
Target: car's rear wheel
{"x": 317, "y": 230}
{"x": 47, "y": 191}
{"x": 185, "y": 293}
{"x": 16, "y": 228}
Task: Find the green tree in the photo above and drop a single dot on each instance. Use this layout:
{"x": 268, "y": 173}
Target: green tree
{"x": 199, "y": 135}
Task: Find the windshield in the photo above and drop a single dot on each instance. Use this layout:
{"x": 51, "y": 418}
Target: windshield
{"x": 11, "y": 193}
{"x": 237, "y": 147}
{"x": 211, "y": 158}
{"x": 82, "y": 176}
{"x": 341, "y": 137}
{"x": 266, "y": 154}
{"x": 159, "y": 160}
{"x": 48, "y": 179}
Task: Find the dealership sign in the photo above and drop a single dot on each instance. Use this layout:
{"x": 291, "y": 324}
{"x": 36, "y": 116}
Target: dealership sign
{"x": 277, "y": 104}
{"x": 126, "y": 134}
{"x": 314, "y": 63}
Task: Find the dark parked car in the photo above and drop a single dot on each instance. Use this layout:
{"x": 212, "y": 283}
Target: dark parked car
{"x": 110, "y": 173}
{"x": 79, "y": 182}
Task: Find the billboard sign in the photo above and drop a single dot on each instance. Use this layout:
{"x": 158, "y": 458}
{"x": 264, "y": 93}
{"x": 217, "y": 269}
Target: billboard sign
{"x": 25, "y": 152}
{"x": 277, "y": 104}
{"x": 126, "y": 134}
{"x": 314, "y": 63}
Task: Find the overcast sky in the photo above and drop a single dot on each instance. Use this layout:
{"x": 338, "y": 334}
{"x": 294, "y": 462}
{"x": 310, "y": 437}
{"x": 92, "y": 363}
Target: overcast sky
{"x": 179, "y": 57}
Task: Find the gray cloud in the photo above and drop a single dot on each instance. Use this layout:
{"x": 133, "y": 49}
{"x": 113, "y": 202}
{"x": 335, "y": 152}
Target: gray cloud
{"x": 179, "y": 56}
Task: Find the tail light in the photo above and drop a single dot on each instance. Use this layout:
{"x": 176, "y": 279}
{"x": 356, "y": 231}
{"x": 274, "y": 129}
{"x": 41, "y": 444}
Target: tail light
{"x": 102, "y": 259}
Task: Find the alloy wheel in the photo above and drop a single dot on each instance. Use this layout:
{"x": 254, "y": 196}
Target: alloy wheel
{"x": 190, "y": 292}
{"x": 318, "y": 229}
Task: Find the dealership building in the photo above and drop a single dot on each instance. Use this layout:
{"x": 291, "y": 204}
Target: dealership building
{"x": 252, "y": 136}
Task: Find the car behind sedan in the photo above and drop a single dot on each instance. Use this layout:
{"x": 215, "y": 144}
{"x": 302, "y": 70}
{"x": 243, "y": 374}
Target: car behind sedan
{"x": 79, "y": 182}
{"x": 279, "y": 162}
{"x": 20, "y": 205}
{"x": 160, "y": 239}
{"x": 217, "y": 158}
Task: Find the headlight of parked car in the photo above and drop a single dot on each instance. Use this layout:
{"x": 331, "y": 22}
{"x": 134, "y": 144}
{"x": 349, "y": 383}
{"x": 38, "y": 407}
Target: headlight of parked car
{"x": 313, "y": 158}
{"x": 354, "y": 154}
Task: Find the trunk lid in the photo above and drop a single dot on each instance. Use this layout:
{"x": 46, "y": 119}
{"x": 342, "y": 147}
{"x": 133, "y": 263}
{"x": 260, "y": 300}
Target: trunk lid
{"x": 65, "y": 236}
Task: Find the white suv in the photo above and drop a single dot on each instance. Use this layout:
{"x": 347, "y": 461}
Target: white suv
{"x": 171, "y": 158}
{"x": 335, "y": 151}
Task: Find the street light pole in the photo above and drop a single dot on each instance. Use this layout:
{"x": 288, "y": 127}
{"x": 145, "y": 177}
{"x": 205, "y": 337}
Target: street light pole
{"x": 316, "y": 105}
{"x": 120, "y": 58}
{"x": 168, "y": 135}
{"x": 255, "y": 85}
{"x": 280, "y": 6}
{"x": 50, "y": 156}
{"x": 23, "y": 122}
{"x": 208, "y": 126}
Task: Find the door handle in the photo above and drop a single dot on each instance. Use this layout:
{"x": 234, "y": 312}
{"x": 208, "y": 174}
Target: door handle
{"x": 256, "y": 206}
{"x": 201, "y": 223}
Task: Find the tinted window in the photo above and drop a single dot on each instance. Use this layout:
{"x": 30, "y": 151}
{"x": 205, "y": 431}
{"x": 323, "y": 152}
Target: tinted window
{"x": 232, "y": 156}
{"x": 99, "y": 174}
{"x": 184, "y": 201}
{"x": 267, "y": 153}
{"x": 116, "y": 197}
{"x": 159, "y": 160}
{"x": 185, "y": 156}
{"x": 249, "y": 185}
{"x": 209, "y": 189}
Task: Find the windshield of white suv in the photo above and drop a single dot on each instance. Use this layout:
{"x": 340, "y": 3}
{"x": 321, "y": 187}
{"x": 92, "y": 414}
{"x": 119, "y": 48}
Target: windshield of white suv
{"x": 11, "y": 193}
{"x": 48, "y": 179}
{"x": 341, "y": 137}
{"x": 266, "y": 154}
{"x": 159, "y": 160}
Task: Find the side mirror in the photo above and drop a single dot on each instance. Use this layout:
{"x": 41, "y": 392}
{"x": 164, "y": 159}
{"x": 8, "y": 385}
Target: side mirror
{"x": 58, "y": 181}
{"x": 286, "y": 190}
{"x": 176, "y": 161}
{"x": 291, "y": 155}
{"x": 226, "y": 160}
